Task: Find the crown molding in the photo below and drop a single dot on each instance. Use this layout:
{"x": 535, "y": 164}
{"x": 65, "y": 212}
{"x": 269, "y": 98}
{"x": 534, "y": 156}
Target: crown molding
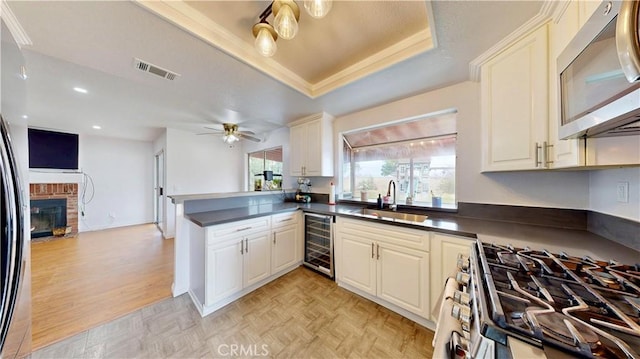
{"x": 195, "y": 23}
{"x": 17, "y": 31}
{"x": 543, "y": 16}
{"x": 192, "y": 21}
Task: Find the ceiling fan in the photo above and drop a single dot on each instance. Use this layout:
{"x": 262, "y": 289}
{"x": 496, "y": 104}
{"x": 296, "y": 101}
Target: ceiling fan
{"x": 231, "y": 133}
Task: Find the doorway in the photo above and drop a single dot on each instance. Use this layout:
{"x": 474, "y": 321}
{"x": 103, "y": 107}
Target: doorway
{"x": 159, "y": 192}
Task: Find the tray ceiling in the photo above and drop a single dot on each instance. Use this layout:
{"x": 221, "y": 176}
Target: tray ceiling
{"x": 356, "y": 38}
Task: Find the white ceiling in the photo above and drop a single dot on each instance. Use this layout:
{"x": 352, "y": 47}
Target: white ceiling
{"x": 92, "y": 45}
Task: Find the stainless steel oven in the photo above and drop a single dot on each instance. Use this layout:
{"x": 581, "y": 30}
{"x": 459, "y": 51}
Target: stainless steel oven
{"x": 318, "y": 243}
{"x": 599, "y": 74}
{"x": 508, "y": 302}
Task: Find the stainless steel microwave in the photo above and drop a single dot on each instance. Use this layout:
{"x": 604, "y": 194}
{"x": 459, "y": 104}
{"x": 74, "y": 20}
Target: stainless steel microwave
{"x": 599, "y": 74}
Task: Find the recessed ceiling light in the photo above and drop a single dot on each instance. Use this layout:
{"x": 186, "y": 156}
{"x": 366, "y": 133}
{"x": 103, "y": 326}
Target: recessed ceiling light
{"x": 80, "y": 89}
{"x": 25, "y": 117}
{"x": 96, "y": 127}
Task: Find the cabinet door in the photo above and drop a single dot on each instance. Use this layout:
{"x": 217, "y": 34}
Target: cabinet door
{"x": 358, "y": 263}
{"x": 403, "y": 278}
{"x": 224, "y": 270}
{"x": 298, "y": 149}
{"x": 514, "y": 105}
{"x": 284, "y": 251}
{"x": 257, "y": 258}
{"x": 562, "y": 153}
{"x": 444, "y": 258}
{"x": 313, "y": 163}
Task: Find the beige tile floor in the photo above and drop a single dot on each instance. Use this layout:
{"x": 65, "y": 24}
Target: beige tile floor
{"x": 300, "y": 315}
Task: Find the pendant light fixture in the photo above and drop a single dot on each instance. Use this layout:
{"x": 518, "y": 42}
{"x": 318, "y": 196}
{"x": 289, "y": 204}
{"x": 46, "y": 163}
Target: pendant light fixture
{"x": 318, "y": 8}
{"x": 266, "y": 38}
{"x": 285, "y": 23}
{"x": 287, "y": 14}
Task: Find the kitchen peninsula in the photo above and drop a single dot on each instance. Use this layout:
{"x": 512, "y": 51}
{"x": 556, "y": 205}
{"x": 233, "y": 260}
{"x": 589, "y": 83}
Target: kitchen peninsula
{"x": 226, "y": 226}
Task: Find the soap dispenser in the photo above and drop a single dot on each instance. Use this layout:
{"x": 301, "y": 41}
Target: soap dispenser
{"x": 380, "y": 206}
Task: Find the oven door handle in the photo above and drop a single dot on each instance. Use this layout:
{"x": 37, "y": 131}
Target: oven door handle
{"x": 627, "y": 42}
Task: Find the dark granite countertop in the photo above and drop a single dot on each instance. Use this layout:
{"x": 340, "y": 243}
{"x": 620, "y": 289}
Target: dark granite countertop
{"x": 212, "y": 218}
{"x": 575, "y": 241}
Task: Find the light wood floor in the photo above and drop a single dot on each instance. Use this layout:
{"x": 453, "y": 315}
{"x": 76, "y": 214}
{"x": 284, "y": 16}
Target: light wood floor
{"x": 300, "y": 315}
{"x": 79, "y": 283}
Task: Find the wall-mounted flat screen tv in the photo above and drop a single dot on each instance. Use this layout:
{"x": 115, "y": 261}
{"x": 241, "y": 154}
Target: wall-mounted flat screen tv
{"x": 53, "y": 150}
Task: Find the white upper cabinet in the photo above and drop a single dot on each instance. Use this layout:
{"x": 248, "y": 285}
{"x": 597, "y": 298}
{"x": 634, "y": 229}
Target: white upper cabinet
{"x": 514, "y": 101}
{"x": 311, "y": 152}
{"x": 562, "y": 153}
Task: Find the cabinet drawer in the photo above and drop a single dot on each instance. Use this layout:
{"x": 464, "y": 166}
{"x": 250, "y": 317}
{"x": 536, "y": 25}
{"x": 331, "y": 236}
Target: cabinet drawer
{"x": 406, "y": 237}
{"x": 218, "y": 233}
{"x": 284, "y": 219}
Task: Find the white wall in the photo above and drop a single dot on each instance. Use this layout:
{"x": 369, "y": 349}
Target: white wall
{"x": 602, "y": 192}
{"x": 200, "y": 164}
{"x": 20, "y": 143}
{"x": 122, "y": 173}
{"x": 275, "y": 138}
{"x": 564, "y": 189}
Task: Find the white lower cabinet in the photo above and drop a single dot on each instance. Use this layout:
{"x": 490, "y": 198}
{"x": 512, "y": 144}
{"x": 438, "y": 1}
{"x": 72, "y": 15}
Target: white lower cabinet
{"x": 230, "y": 260}
{"x": 223, "y": 275}
{"x": 285, "y": 248}
{"x": 403, "y": 278}
{"x": 375, "y": 259}
{"x": 444, "y": 260}
{"x": 235, "y": 264}
{"x": 257, "y": 258}
{"x": 357, "y": 265}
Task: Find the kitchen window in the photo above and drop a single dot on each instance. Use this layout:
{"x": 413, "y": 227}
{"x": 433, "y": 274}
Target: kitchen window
{"x": 265, "y": 160}
{"x": 419, "y": 155}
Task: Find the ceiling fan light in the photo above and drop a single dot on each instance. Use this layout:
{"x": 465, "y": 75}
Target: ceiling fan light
{"x": 230, "y": 138}
{"x": 265, "y": 39}
{"x": 286, "y": 18}
{"x": 318, "y": 8}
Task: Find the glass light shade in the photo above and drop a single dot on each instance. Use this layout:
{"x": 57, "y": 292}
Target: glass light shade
{"x": 318, "y": 8}
{"x": 230, "y": 138}
{"x": 285, "y": 23}
{"x": 265, "y": 44}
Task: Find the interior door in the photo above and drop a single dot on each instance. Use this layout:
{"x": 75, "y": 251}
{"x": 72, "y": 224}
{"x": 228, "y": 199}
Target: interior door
{"x": 159, "y": 199}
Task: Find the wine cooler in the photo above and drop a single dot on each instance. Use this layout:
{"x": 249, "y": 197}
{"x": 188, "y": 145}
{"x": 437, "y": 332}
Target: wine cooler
{"x": 318, "y": 243}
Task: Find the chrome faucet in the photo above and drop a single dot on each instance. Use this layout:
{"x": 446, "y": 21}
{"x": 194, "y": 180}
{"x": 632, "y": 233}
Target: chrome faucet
{"x": 393, "y": 206}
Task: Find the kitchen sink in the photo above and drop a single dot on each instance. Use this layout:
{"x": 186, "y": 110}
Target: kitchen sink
{"x": 409, "y": 217}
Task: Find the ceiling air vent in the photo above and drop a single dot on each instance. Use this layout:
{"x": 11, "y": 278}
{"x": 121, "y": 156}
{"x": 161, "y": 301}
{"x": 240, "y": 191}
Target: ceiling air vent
{"x": 153, "y": 69}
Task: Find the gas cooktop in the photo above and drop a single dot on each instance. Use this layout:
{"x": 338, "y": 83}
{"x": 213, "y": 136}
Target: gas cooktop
{"x": 577, "y": 305}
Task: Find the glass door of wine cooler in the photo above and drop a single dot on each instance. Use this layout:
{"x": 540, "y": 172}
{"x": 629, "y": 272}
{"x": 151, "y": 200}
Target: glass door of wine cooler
{"x": 318, "y": 243}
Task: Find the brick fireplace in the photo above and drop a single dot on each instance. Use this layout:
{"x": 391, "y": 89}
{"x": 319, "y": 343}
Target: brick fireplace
{"x": 66, "y": 191}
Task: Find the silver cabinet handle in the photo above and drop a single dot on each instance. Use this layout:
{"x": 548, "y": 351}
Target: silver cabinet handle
{"x": 243, "y": 229}
{"x": 547, "y": 162}
{"x": 274, "y": 237}
{"x": 372, "y": 250}
{"x": 246, "y": 245}
{"x": 285, "y": 220}
{"x": 241, "y": 247}
{"x": 377, "y": 251}
{"x": 537, "y": 148}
